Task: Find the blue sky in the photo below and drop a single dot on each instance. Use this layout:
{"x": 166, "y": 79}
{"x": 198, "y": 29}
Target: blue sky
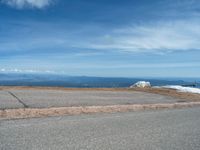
{"x": 129, "y": 38}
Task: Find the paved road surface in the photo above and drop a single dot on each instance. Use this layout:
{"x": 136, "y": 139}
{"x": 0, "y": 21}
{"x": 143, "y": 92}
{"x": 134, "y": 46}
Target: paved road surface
{"x": 148, "y": 130}
{"x": 55, "y": 98}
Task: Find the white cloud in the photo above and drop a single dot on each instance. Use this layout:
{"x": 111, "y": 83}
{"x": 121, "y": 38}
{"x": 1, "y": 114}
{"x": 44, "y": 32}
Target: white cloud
{"x": 27, "y": 3}
{"x": 2, "y": 70}
{"x": 15, "y": 70}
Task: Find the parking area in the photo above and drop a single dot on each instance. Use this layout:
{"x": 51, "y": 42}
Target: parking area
{"x": 41, "y": 98}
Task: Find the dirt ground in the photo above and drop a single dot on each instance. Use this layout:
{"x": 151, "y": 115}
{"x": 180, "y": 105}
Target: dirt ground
{"x": 46, "y": 112}
{"x": 171, "y": 92}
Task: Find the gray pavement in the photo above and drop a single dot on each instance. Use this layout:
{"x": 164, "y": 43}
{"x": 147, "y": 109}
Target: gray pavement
{"x": 8, "y": 101}
{"x": 41, "y": 98}
{"x": 147, "y": 130}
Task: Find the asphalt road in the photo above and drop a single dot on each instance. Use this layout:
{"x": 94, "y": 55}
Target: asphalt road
{"x": 8, "y": 101}
{"x": 40, "y": 98}
{"x": 147, "y": 130}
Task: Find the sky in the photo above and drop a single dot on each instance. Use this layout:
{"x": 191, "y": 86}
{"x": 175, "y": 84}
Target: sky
{"x": 110, "y": 38}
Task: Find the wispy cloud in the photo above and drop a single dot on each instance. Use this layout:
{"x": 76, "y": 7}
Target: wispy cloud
{"x": 158, "y": 37}
{"x": 19, "y": 4}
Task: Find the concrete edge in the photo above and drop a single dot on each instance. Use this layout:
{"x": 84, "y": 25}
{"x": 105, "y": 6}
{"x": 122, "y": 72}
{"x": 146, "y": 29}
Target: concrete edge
{"x": 59, "y": 111}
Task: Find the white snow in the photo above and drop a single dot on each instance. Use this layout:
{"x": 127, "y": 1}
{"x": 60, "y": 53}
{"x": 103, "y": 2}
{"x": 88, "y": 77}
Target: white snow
{"x": 141, "y": 84}
{"x": 183, "y": 89}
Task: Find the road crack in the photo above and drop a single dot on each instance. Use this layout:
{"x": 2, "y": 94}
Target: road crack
{"x": 18, "y": 99}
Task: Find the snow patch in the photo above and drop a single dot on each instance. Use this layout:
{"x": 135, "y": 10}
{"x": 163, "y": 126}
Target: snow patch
{"x": 141, "y": 84}
{"x": 183, "y": 89}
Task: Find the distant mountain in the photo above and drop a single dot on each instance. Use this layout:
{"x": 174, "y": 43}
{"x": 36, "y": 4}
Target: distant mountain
{"x": 12, "y": 79}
